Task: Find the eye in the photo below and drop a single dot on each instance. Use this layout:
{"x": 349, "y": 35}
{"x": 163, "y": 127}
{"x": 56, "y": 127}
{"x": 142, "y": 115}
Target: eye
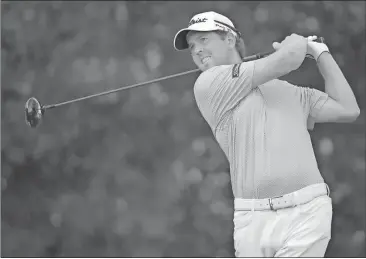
{"x": 204, "y": 39}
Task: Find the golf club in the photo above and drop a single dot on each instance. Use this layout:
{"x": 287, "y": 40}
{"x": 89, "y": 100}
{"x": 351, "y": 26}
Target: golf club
{"x": 34, "y": 111}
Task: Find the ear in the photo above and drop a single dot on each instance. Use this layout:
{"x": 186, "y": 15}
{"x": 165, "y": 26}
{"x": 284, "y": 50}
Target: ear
{"x": 230, "y": 38}
{"x": 240, "y": 46}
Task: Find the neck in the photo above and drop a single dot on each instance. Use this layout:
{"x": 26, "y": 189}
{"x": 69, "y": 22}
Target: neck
{"x": 235, "y": 58}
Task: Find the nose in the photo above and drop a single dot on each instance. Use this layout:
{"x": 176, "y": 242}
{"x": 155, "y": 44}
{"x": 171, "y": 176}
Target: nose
{"x": 197, "y": 50}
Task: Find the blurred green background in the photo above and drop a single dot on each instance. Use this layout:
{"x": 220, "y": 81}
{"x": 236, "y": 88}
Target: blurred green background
{"x": 137, "y": 173}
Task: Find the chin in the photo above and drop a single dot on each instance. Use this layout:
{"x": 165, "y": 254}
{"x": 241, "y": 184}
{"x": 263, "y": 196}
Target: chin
{"x": 206, "y": 66}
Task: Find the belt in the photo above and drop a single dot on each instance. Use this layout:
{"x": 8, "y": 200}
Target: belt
{"x": 293, "y": 199}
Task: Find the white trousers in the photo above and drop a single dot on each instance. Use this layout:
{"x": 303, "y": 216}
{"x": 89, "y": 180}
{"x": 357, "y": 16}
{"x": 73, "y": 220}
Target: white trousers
{"x": 302, "y": 231}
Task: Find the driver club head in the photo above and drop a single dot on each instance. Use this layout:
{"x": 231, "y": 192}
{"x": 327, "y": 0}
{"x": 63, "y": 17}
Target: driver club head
{"x": 33, "y": 112}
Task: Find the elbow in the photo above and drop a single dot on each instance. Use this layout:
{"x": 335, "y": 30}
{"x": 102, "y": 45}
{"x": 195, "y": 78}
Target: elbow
{"x": 352, "y": 115}
{"x": 355, "y": 114}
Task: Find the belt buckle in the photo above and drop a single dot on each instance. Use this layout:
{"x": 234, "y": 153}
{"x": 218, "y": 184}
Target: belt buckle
{"x": 271, "y": 203}
{"x": 270, "y": 200}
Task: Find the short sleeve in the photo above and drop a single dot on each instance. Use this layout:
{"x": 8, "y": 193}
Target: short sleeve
{"x": 221, "y": 88}
{"x": 312, "y": 100}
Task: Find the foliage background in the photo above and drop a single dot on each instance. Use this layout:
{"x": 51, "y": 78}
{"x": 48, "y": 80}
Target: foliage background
{"x": 138, "y": 173}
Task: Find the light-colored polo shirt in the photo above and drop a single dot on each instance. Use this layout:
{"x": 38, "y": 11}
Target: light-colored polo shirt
{"x": 263, "y": 130}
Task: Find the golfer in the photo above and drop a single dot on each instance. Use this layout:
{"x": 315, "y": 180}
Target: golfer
{"x": 282, "y": 204}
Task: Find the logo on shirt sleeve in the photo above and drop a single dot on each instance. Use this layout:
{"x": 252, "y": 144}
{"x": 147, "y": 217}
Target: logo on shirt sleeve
{"x": 236, "y": 70}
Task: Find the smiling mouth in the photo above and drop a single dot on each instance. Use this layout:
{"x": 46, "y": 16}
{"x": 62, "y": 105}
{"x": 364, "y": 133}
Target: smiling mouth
{"x": 205, "y": 60}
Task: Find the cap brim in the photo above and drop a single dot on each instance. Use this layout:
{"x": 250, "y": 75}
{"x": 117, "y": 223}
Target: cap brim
{"x": 180, "y": 39}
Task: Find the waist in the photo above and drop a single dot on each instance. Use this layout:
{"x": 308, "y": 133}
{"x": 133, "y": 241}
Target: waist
{"x": 292, "y": 199}
{"x": 249, "y": 185}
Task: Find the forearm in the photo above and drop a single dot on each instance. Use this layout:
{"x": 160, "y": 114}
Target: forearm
{"x": 336, "y": 85}
{"x": 278, "y": 64}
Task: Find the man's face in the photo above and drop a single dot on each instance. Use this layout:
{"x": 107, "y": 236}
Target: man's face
{"x": 208, "y": 49}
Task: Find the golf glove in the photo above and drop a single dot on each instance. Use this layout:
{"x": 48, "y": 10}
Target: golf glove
{"x": 315, "y": 49}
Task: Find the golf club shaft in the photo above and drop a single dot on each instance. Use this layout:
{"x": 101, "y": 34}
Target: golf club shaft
{"x": 246, "y": 59}
{"x": 119, "y": 89}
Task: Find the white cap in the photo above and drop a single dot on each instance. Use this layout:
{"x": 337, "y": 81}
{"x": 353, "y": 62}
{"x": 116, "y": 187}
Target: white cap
{"x": 208, "y": 21}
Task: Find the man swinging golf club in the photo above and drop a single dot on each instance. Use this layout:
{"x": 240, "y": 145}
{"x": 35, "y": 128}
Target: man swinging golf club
{"x": 282, "y": 205}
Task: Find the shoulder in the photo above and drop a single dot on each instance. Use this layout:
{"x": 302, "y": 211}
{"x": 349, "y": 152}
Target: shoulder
{"x": 301, "y": 91}
{"x": 208, "y": 77}
{"x": 278, "y": 86}
{"x": 279, "y": 83}
{"x": 210, "y": 74}
{"x": 225, "y": 72}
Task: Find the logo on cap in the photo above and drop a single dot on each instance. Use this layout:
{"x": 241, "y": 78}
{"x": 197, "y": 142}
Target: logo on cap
{"x": 221, "y": 27}
{"x": 198, "y": 20}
